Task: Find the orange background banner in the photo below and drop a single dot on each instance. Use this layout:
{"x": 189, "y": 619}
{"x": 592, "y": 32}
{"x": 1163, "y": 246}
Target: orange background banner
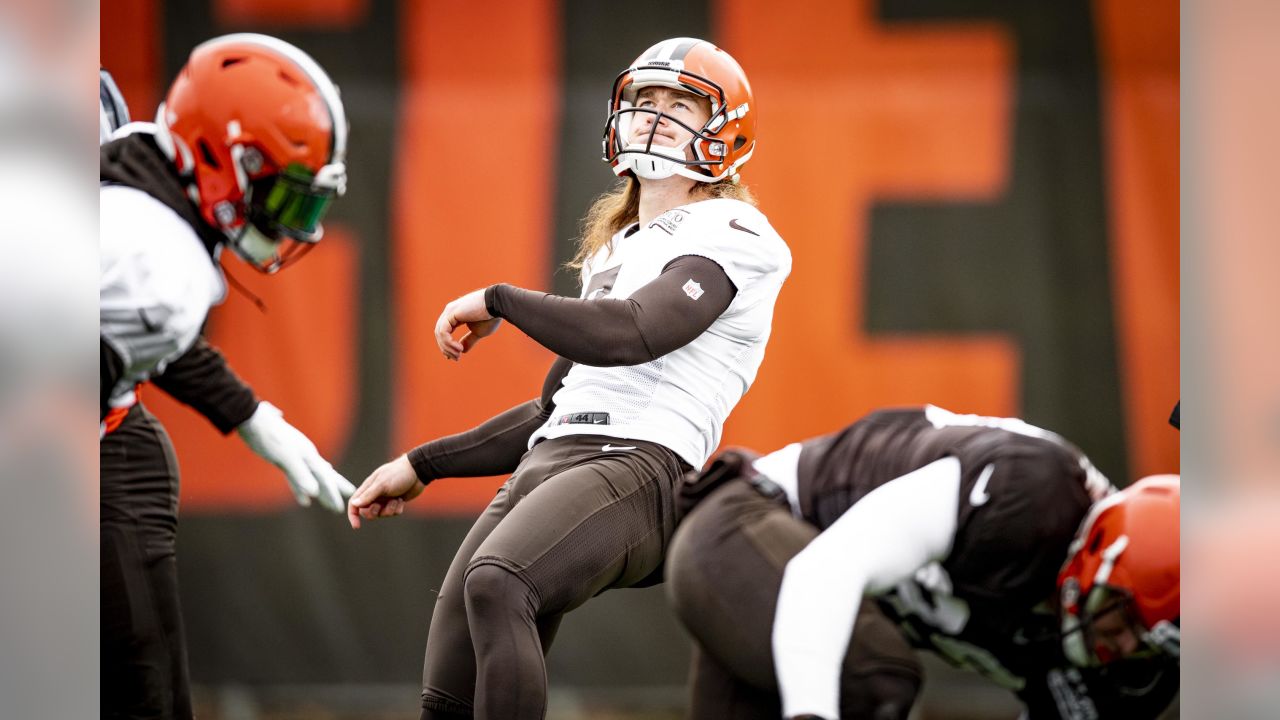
{"x": 864, "y": 115}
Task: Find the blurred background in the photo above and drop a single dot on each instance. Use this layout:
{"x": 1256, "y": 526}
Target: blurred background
{"x": 981, "y": 198}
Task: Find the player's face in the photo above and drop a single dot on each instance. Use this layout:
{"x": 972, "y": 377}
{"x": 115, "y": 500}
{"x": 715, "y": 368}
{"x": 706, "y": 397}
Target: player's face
{"x": 1114, "y": 634}
{"x": 686, "y": 107}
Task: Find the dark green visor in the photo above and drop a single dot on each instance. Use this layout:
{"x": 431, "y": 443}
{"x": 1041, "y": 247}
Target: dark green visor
{"x": 289, "y": 205}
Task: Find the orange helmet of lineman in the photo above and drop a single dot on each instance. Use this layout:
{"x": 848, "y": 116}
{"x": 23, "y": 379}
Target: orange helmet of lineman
{"x": 1120, "y": 588}
{"x": 719, "y": 148}
{"x": 259, "y": 129}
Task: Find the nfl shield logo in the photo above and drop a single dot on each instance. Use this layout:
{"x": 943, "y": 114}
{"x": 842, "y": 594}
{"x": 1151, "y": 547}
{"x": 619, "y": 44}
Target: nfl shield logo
{"x": 693, "y": 289}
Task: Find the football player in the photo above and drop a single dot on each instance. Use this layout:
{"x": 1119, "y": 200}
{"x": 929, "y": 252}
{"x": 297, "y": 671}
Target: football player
{"x": 201, "y": 379}
{"x": 246, "y": 152}
{"x": 808, "y": 576}
{"x": 679, "y": 275}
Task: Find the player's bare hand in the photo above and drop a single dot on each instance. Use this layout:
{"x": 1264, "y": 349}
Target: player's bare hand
{"x": 385, "y": 492}
{"x": 478, "y": 330}
{"x": 467, "y": 310}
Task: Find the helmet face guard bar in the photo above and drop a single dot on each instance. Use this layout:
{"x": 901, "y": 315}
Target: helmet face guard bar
{"x": 1134, "y": 674}
{"x": 708, "y": 150}
{"x": 1086, "y": 647}
{"x": 283, "y": 213}
{"x": 290, "y": 252}
{"x": 697, "y": 137}
{"x": 267, "y": 254}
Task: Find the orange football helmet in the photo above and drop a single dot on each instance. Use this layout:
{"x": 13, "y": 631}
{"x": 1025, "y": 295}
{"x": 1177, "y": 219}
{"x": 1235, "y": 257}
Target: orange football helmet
{"x": 720, "y": 147}
{"x": 260, "y": 129}
{"x": 1120, "y": 588}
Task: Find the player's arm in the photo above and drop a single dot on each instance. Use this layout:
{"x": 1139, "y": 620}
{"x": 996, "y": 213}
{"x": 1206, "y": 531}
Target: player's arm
{"x": 496, "y": 445}
{"x": 665, "y": 314}
{"x": 492, "y": 448}
{"x": 882, "y": 540}
{"x": 202, "y": 379}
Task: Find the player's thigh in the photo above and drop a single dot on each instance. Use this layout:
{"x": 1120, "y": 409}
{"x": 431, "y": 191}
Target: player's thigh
{"x": 451, "y": 587}
{"x": 448, "y": 670}
{"x": 143, "y": 650}
{"x": 532, "y": 465}
{"x": 601, "y": 523}
{"x": 138, "y": 479}
{"x": 724, "y": 570}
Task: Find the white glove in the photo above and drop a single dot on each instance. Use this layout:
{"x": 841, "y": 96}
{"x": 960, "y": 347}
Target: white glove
{"x": 281, "y": 444}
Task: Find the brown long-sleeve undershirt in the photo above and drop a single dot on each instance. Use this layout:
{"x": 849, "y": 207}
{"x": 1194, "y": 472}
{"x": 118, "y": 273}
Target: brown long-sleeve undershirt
{"x": 493, "y": 447}
{"x": 657, "y": 319}
{"x": 201, "y": 378}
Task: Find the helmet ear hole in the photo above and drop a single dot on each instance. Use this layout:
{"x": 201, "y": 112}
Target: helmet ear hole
{"x": 738, "y": 142}
{"x": 1096, "y": 542}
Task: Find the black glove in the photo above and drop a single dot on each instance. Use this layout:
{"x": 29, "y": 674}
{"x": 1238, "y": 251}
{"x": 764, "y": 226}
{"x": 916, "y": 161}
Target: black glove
{"x": 731, "y": 463}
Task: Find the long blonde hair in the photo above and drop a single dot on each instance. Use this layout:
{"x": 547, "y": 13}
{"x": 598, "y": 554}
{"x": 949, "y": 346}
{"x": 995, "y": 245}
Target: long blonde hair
{"x": 620, "y": 206}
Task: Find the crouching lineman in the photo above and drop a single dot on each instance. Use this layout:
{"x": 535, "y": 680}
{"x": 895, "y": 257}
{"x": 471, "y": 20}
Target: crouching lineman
{"x": 247, "y": 152}
{"x": 808, "y": 576}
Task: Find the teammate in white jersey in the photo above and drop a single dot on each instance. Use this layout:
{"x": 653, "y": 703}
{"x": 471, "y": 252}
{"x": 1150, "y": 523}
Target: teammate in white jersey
{"x": 680, "y": 273}
{"x": 247, "y": 152}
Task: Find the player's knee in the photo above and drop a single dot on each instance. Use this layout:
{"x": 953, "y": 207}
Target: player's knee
{"x": 492, "y": 589}
{"x": 881, "y": 696}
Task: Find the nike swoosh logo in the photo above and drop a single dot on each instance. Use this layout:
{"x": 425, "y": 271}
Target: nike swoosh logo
{"x": 978, "y": 496}
{"x": 734, "y": 224}
{"x": 607, "y": 448}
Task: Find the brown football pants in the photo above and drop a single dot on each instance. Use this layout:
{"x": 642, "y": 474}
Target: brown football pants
{"x": 724, "y": 571}
{"x": 574, "y": 520}
{"x": 144, "y": 655}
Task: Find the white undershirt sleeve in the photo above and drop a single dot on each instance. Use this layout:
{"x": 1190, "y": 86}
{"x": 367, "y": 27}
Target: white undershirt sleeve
{"x": 882, "y": 540}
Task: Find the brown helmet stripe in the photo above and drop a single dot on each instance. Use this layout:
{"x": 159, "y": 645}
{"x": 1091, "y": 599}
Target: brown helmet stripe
{"x": 673, "y": 49}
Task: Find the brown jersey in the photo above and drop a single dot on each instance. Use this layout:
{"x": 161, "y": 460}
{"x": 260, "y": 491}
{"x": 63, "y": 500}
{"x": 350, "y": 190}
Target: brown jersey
{"x": 1023, "y": 492}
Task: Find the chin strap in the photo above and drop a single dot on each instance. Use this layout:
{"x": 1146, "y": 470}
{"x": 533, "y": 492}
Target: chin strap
{"x": 245, "y": 291}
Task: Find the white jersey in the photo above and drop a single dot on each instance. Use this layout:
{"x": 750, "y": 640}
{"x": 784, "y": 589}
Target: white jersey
{"x": 681, "y": 399}
{"x": 156, "y": 285}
